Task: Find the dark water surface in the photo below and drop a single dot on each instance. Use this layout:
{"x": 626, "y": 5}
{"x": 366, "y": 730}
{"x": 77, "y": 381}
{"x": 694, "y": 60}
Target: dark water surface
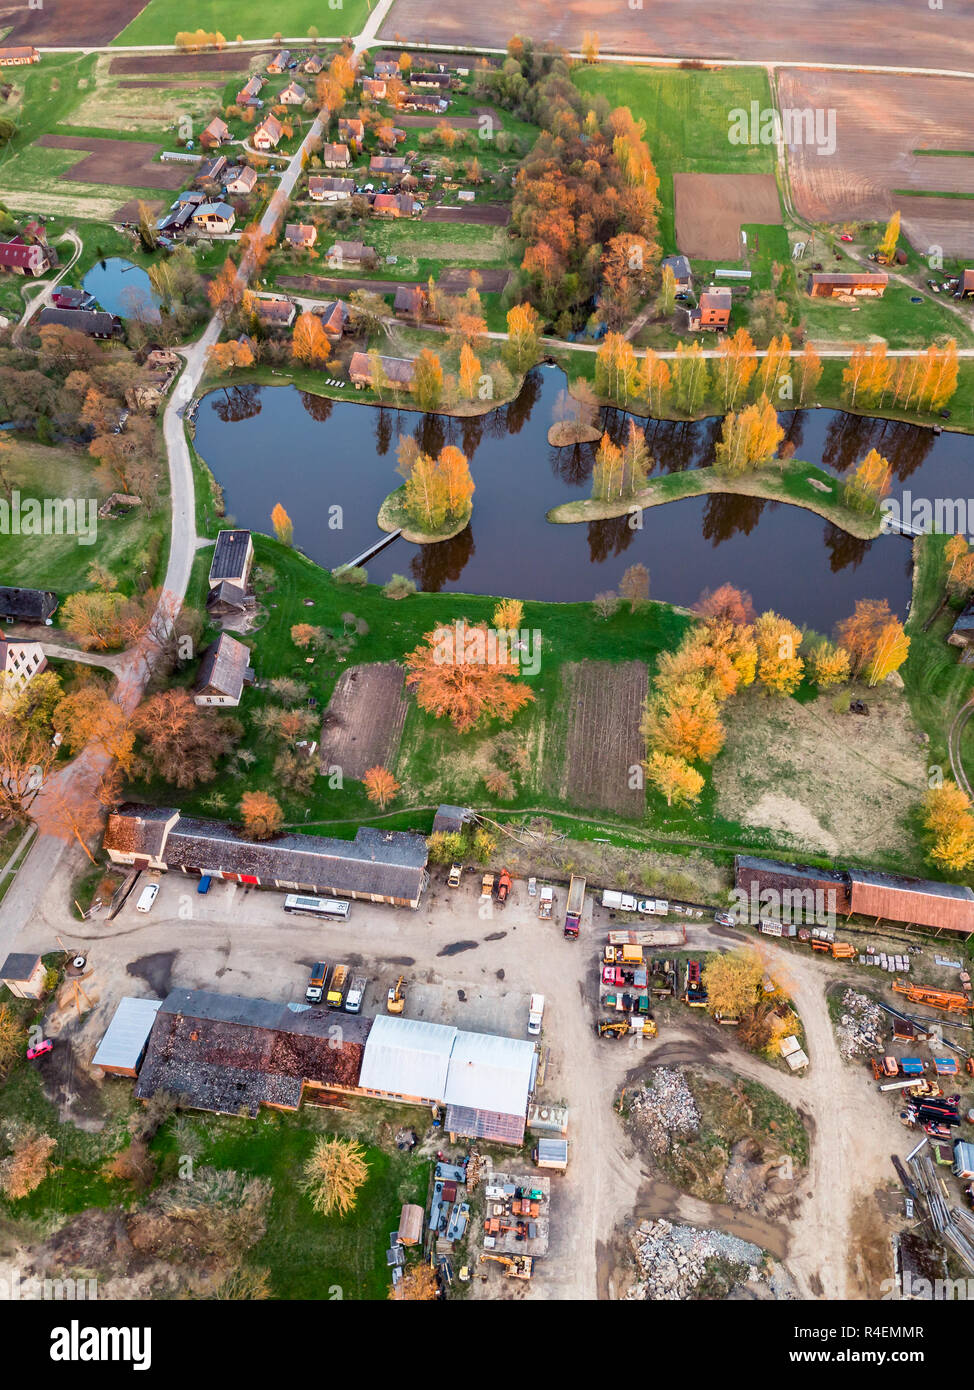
{"x": 279, "y": 444}
{"x": 122, "y": 288}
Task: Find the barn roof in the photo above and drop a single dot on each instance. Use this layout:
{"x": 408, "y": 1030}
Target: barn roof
{"x": 229, "y": 555}
{"x": 490, "y": 1073}
{"x": 29, "y": 605}
{"x": 125, "y": 1038}
{"x": 19, "y": 966}
{"x": 777, "y": 866}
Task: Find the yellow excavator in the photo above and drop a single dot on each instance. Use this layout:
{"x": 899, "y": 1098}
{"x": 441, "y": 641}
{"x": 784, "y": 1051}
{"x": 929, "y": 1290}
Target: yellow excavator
{"x": 396, "y": 998}
{"x": 515, "y": 1266}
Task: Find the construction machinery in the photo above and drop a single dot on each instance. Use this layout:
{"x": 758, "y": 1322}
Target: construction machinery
{"x": 487, "y": 886}
{"x": 515, "y": 1266}
{"x": 944, "y": 1000}
{"x": 613, "y": 1027}
{"x": 695, "y": 992}
{"x": 884, "y": 1066}
{"x": 503, "y": 886}
{"x": 546, "y": 902}
{"x": 396, "y": 998}
{"x": 573, "y": 910}
{"x": 838, "y": 950}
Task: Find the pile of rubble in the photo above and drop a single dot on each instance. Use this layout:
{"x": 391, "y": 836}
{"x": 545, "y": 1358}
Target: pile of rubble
{"x": 862, "y": 1025}
{"x": 672, "y": 1260}
{"x": 665, "y": 1108}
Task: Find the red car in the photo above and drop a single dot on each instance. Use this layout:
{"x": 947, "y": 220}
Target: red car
{"x": 846, "y": 237}
{"x": 38, "y": 1050}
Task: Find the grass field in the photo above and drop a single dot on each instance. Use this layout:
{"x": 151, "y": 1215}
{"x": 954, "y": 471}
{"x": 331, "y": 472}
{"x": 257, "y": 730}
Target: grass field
{"x": 161, "y": 20}
{"x": 686, "y": 115}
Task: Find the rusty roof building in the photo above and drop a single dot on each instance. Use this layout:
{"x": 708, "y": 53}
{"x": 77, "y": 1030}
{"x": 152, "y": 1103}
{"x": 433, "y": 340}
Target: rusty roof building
{"x": 231, "y": 1055}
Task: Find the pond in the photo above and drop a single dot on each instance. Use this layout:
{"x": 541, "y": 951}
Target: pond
{"x": 278, "y": 444}
{"x": 122, "y": 288}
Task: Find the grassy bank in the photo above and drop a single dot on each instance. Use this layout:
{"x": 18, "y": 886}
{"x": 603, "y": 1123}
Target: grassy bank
{"x": 793, "y": 482}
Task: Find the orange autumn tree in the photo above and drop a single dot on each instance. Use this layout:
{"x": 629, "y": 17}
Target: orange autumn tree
{"x": 437, "y": 492}
{"x": 283, "y": 525}
{"x": 225, "y": 290}
{"x": 260, "y": 814}
{"x": 458, "y": 672}
{"x": 735, "y": 366}
{"x": 874, "y": 638}
{"x": 380, "y": 786}
{"x": 310, "y": 343}
{"x": 469, "y": 372}
{"x": 749, "y": 438}
{"x": 224, "y": 357}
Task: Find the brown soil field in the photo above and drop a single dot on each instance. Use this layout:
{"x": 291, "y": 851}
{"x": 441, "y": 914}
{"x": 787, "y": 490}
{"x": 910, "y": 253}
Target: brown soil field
{"x": 842, "y": 784}
{"x": 364, "y": 719}
{"x": 155, "y": 83}
{"x": 604, "y": 701}
{"x": 323, "y": 284}
{"x": 125, "y": 162}
{"x": 457, "y": 279}
{"x": 486, "y": 215}
{"x": 129, "y": 211}
{"x": 880, "y": 121}
{"x": 901, "y": 33}
{"x": 162, "y": 63}
{"x": 710, "y": 208}
{"x": 85, "y": 22}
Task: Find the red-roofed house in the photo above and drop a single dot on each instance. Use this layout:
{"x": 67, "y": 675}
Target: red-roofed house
{"x": 24, "y": 259}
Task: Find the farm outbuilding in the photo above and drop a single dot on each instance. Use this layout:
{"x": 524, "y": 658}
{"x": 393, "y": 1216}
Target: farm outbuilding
{"x": 963, "y": 1159}
{"x": 411, "y": 1224}
{"x": 796, "y": 892}
{"x": 831, "y": 285}
{"x": 123, "y": 1046}
{"x": 23, "y": 974}
{"x": 407, "y": 1059}
{"x": 916, "y": 902}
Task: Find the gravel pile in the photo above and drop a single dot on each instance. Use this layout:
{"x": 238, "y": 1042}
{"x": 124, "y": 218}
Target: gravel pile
{"x": 672, "y": 1260}
{"x": 862, "y": 1025}
{"x": 665, "y": 1108}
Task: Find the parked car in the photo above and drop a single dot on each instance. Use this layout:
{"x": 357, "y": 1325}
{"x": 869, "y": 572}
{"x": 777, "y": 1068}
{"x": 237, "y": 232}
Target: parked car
{"x": 845, "y": 237}
{"x": 147, "y": 898}
{"x": 725, "y": 919}
{"x": 535, "y": 1014}
{"x": 39, "y": 1049}
{"x": 204, "y": 884}
{"x": 456, "y": 871}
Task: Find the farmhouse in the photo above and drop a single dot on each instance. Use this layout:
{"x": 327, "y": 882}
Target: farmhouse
{"x": 410, "y": 302}
{"x": 438, "y": 81}
{"x": 224, "y": 671}
{"x": 275, "y": 312}
{"x": 179, "y": 218}
{"x": 312, "y": 64}
{"x": 395, "y": 205}
{"x": 214, "y": 217}
{"x": 95, "y": 323}
{"x": 211, "y": 170}
{"x": 373, "y": 88}
{"x": 386, "y": 866}
{"x": 293, "y": 95}
{"x": 335, "y": 156}
{"x": 713, "y": 311}
{"x": 334, "y": 317}
{"x": 26, "y": 605}
{"x": 233, "y": 556}
{"x": 423, "y": 101}
{"x": 682, "y": 274}
{"x": 241, "y": 179}
{"x": 250, "y": 91}
{"x": 268, "y": 134}
{"x": 67, "y": 297}
{"x": 22, "y": 258}
{"x": 345, "y": 254}
{"x": 226, "y": 600}
{"x": 280, "y": 63}
{"x": 301, "y": 235}
{"x": 20, "y": 662}
{"x": 322, "y": 190}
{"x": 351, "y": 128}
{"x": 387, "y": 164}
{"x": 18, "y": 57}
{"x": 397, "y": 371}
{"x": 384, "y": 68}
{"x": 390, "y": 136}
{"x": 216, "y": 133}
{"x": 860, "y": 282}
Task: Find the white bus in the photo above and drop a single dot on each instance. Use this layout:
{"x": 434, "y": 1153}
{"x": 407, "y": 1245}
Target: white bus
{"x": 316, "y": 907}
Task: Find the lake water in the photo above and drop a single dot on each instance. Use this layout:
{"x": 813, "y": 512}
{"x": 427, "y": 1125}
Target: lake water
{"x": 122, "y": 288}
{"x": 278, "y": 444}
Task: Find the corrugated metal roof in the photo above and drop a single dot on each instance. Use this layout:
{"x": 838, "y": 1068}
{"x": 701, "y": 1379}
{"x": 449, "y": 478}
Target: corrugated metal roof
{"x": 407, "y": 1057}
{"x": 127, "y": 1034}
{"x": 490, "y": 1073}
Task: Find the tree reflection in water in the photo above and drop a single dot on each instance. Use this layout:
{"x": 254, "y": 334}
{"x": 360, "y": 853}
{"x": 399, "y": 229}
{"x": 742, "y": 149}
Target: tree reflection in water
{"x": 442, "y": 563}
{"x": 233, "y": 403}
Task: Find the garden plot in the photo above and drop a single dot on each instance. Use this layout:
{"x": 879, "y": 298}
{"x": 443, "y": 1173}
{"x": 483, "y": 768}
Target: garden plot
{"x": 710, "y": 209}
{"x": 604, "y": 703}
{"x": 364, "y": 719}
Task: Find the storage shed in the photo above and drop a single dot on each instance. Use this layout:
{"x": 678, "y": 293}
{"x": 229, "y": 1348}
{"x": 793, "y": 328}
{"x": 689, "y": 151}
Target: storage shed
{"x": 23, "y": 974}
{"x": 914, "y": 901}
{"x": 123, "y": 1046}
{"x": 411, "y": 1224}
{"x": 963, "y": 1159}
{"x": 552, "y": 1153}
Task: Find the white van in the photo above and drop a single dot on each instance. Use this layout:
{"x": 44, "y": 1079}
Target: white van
{"x": 147, "y": 897}
{"x": 535, "y": 1014}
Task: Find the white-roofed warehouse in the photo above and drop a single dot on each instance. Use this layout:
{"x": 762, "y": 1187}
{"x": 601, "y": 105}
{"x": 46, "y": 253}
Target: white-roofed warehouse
{"x": 407, "y": 1059}
{"x": 483, "y": 1080}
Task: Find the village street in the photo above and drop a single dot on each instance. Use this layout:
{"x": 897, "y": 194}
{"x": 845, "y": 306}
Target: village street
{"x": 477, "y": 972}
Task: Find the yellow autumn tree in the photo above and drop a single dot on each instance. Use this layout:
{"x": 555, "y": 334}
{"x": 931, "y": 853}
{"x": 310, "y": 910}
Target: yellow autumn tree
{"x": 891, "y": 236}
{"x": 673, "y": 778}
{"x": 780, "y": 668}
{"x": 509, "y": 614}
{"x": 950, "y": 821}
{"x": 891, "y": 650}
{"x": 749, "y": 438}
{"x": 828, "y": 664}
{"x": 283, "y": 525}
{"x": 469, "y": 372}
{"x": 869, "y": 483}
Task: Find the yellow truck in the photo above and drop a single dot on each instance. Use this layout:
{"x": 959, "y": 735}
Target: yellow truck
{"x": 337, "y": 987}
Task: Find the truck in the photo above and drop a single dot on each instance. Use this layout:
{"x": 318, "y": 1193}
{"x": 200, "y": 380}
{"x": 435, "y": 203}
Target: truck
{"x": 316, "y": 983}
{"x": 535, "y": 1014}
{"x": 487, "y": 886}
{"x": 456, "y": 873}
{"x": 619, "y": 902}
{"x": 546, "y": 901}
{"x": 503, "y": 886}
{"x": 337, "y": 987}
{"x": 355, "y": 995}
{"x": 576, "y": 901}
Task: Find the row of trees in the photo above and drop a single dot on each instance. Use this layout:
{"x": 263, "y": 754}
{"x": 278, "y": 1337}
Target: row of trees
{"x": 925, "y": 382}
